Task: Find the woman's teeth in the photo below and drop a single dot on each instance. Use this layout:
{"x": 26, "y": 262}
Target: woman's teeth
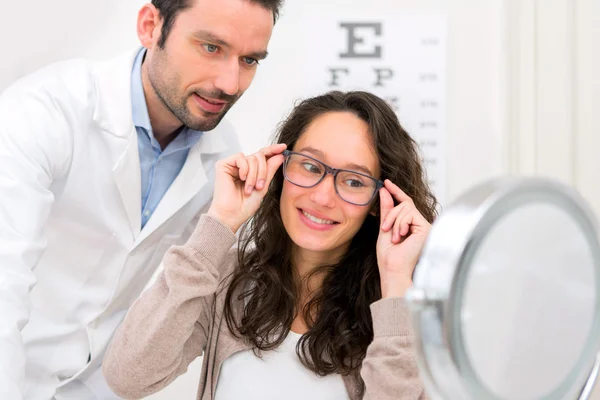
{"x": 317, "y": 220}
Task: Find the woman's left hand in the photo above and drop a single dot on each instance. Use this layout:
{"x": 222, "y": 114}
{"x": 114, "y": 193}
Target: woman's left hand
{"x": 402, "y": 235}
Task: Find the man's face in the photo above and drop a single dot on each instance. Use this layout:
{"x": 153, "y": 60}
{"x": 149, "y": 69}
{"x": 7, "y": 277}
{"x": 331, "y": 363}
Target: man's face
{"x": 209, "y": 59}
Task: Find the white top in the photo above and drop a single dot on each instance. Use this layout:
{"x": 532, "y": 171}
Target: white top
{"x": 278, "y": 375}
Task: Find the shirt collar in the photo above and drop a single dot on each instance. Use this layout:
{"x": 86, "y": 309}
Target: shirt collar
{"x": 141, "y": 119}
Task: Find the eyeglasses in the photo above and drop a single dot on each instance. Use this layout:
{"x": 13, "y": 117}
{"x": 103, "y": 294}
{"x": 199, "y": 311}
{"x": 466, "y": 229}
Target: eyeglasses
{"x": 352, "y": 187}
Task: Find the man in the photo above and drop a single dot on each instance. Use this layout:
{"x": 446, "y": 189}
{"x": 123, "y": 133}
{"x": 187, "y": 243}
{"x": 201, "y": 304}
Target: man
{"x": 102, "y": 168}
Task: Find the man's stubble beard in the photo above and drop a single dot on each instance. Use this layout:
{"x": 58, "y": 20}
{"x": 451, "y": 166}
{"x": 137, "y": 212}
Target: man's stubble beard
{"x": 166, "y": 91}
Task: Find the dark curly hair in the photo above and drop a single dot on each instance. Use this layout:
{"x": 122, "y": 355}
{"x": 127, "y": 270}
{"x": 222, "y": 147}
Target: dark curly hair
{"x": 337, "y": 314}
{"x": 169, "y": 9}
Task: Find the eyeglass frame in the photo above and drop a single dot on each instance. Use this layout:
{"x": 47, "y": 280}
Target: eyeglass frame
{"x": 334, "y": 172}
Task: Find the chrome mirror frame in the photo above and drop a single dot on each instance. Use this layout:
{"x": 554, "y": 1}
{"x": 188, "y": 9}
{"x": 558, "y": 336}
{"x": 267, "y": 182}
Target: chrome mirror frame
{"x": 435, "y": 299}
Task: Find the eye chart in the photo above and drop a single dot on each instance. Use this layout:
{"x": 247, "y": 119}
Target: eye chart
{"x": 399, "y": 56}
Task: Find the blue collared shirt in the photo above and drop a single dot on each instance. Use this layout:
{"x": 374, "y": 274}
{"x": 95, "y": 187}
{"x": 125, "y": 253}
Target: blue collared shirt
{"x": 159, "y": 167}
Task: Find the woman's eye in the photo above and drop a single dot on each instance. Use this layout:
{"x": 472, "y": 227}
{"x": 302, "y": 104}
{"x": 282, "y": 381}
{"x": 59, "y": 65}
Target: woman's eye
{"x": 211, "y": 48}
{"x": 312, "y": 168}
{"x": 354, "y": 183}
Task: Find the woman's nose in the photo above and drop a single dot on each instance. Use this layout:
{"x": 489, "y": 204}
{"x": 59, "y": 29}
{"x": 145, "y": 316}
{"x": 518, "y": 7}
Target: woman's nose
{"x": 324, "y": 193}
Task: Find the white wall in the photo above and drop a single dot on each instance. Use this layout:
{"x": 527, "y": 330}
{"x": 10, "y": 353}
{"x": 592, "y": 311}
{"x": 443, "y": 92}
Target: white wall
{"x": 553, "y": 91}
{"x": 38, "y": 32}
{"x": 523, "y": 90}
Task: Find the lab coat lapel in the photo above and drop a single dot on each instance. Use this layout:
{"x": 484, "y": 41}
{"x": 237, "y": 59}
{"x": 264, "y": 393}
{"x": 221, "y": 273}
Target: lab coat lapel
{"x": 113, "y": 113}
{"x": 191, "y": 180}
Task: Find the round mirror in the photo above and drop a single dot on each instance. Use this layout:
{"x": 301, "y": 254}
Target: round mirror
{"x": 506, "y": 296}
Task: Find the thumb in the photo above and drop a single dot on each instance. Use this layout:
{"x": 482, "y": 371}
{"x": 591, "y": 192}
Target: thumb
{"x": 386, "y": 203}
{"x": 273, "y": 165}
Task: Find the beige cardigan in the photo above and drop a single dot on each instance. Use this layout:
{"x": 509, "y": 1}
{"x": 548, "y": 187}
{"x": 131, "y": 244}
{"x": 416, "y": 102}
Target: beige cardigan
{"x": 173, "y": 323}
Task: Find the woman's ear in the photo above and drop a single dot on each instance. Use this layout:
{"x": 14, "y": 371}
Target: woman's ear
{"x": 375, "y": 208}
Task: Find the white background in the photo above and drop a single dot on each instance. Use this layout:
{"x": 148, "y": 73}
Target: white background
{"x": 522, "y": 83}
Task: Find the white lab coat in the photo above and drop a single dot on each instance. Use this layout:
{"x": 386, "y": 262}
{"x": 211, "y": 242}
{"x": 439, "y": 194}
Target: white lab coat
{"x": 72, "y": 256}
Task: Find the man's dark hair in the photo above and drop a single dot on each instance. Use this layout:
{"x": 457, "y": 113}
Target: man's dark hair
{"x": 170, "y": 8}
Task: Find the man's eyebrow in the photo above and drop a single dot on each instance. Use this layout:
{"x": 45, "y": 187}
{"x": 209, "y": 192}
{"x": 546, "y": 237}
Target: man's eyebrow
{"x": 214, "y": 39}
{"x": 350, "y": 166}
{"x": 210, "y": 37}
{"x": 259, "y": 55}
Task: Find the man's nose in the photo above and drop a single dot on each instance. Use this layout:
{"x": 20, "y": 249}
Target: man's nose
{"x": 228, "y": 78}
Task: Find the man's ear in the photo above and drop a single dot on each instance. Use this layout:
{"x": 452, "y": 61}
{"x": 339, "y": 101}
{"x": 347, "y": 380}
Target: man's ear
{"x": 149, "y": 25}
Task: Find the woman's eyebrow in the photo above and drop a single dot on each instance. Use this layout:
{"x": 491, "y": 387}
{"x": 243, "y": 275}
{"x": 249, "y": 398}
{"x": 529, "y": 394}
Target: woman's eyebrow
{"x": 351, "y": 166}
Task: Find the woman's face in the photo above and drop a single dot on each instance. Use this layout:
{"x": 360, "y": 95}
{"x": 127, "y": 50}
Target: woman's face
{"x": 317, "y": 219}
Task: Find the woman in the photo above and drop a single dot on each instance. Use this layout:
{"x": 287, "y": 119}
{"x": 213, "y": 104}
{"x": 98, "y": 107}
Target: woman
{"x": 311, "y": 305}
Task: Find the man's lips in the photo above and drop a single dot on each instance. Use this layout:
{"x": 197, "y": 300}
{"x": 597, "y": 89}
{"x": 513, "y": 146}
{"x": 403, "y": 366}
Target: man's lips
{"x": 210, "y": 105}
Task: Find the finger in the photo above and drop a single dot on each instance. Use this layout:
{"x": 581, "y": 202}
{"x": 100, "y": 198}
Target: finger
{"x": 396, "y": 238}
{"x": 397, "y": 192}
{"x": 273, "y": 165}
{"x": 229, "y": 166}
{"x": 391, "y": 217}
{"x": 397, "y": 225}
{"x": 261, "y": 173}
{"x": 386, "y": 203}
{"x": 273, "y": 149}
{"x": 405, "y": 223}
{"x": 251, "y": 177}
{"x": 242, "y": 165}
{"x": 402, "y": 225}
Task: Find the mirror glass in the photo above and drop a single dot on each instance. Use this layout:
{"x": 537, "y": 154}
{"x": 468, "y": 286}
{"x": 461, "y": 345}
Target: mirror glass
{"x": 528, "y": 302}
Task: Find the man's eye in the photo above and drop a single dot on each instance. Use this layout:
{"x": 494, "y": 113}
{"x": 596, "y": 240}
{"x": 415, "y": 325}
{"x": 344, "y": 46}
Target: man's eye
{"x": 211, "y": 48}
{"x": 250, "y": 61}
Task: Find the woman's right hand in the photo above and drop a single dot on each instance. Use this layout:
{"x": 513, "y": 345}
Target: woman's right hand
{"x": 241, "y": 182}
